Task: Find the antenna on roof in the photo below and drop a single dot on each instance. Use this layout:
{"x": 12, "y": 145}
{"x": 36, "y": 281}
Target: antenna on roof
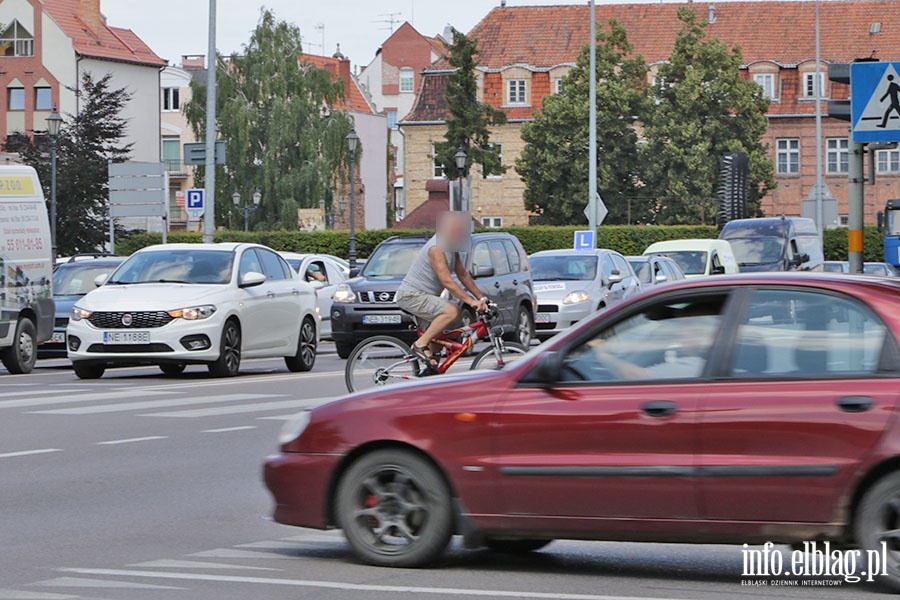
{"x": 390, "y": 19}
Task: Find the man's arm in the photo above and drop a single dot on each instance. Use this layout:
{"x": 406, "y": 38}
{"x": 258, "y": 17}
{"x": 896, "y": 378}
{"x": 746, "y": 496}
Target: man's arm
{"x": 465, "y": 278}
{"x": 442, "y": 270}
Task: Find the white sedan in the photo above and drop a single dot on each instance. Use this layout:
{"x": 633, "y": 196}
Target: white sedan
{"x": 183, "y": 304}
{"x": 325, "y": 273}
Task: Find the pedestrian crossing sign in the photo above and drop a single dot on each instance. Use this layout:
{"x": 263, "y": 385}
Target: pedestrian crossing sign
{"x": 875, "y": 101}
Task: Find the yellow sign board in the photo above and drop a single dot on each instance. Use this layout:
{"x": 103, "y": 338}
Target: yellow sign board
{"x": 16, "y": 186}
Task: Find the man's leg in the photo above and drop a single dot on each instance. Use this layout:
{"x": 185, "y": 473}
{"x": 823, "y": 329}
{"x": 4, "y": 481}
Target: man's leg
{"x": 440, "y": 322}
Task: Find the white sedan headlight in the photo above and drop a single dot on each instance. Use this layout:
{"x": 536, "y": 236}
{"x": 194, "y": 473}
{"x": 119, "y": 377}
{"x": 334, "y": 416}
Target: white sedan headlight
{"x": 79, "y": 313}
{"x": 576, "y": 297}
{"x": 193, "y": 313}
{"x": 344, "y": 294}
{"x": 294, "y": 427}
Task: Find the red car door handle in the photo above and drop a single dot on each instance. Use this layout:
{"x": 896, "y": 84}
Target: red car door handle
{"x": 659, "y": 408}
{"x": 855, "y": 404}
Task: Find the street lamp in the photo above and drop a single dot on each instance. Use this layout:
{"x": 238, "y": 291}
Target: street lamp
{"x": 54, "y": 123}
{"x": 460, "y": 158}
{"x": 246, "y": 211}
{"x": 352, "y": 144}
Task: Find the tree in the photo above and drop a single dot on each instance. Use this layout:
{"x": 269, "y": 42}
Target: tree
{"x": 703, "y": 109}
{"x": 283, "y": 135}
{"x": 555, "y": 161}
{"x": 85, "y": 145}
{"x": 470, "y": 120}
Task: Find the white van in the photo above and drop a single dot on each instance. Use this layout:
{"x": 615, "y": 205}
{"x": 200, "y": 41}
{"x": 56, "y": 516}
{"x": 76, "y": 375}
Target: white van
{"x": 26, "y": 269}
{"x": 697, "y": 258}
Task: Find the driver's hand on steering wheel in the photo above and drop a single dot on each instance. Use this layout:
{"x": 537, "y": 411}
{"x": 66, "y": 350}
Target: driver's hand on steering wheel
{"x": 480, "y": 305}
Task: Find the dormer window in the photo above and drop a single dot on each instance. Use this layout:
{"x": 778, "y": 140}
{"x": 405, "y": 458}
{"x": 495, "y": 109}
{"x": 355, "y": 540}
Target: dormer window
{"x": 16, "y": 41}
{"x": 407, "y": 79}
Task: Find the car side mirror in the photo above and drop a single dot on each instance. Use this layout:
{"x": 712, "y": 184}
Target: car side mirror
{"x": 318, "y": 285}
{"x": 546, "y": 371}
{"x": 661, "y": 278}
{"x": 615, "y": 277}
{"x": 252, "y": 279}
{"x": 482, "y": 271}
{"x": 718, "y": 270}
{"x": 880, "y": 221}
{"x": 354, "y": 272}
{"x": 101, "y": 279}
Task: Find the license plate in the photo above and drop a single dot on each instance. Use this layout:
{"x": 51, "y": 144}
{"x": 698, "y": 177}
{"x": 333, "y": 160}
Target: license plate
{"x": 381, "y": 320}
{"x": 58, "y": 337}
{"x": 126, "y": 337}
{"x": 542, "y": 318}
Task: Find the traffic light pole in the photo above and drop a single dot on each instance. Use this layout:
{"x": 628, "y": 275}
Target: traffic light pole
{"x": 209, "y": 215}
{"x": 592, "y": 125}
{"x": 855, "y": 197}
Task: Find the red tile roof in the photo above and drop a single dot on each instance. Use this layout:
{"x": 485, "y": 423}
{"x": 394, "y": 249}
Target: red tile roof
{"x": 108, "y": 43}
{"x": 780, "y": 31}
{"x": 354, "y": 99}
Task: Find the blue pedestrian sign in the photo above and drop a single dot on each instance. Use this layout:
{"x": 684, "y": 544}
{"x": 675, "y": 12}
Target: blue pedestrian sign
{"x": 875, "y": 102}
{"x": 585, "y": 240}
{"x": 196, "y": 202}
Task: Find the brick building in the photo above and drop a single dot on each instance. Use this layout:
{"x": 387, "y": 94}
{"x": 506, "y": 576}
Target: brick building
{"x": 525, "y": 51}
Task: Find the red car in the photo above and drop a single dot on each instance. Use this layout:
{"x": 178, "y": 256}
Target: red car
{"x": 739, "y": 409}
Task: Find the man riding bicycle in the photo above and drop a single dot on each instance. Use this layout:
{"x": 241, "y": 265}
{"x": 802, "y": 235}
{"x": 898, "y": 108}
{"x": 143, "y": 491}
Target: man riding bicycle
{"x": 431, "y": 274}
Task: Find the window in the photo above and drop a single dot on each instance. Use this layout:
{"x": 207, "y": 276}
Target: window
{"x": 437, "y": 169}
{"x": 499, "y": 149}
{"x": 767, "y": 82}
{"x": 15, "y": 98}
{"x": 806, "y": 334}
{"x": 512, "y": 253}
{"x": 516, "y": 91}
{"x": 392, "y": 119}
{"x": 787, "y": 155}
{"x": 275, "y": 267}
{"x": 668, "y": 340}
{"x": 171, "y": 148}
{"x": 16, "y": 41}
{"x": 249, "y": 263}
{"x": 492, "y": 222}
{"x": 837, "y": 156}
{"x": 558, "y": 85}
{"x": 407, "y": 79}
{"x": 481, "y": 256}
{"x": 809, "y": 85}
{"x": 888, "y": 162}
{"x": 43, "y": 98}
{"x": 499, "y": 259}
{"x": 170, "y": 100}
{"x": 621, "y": 265}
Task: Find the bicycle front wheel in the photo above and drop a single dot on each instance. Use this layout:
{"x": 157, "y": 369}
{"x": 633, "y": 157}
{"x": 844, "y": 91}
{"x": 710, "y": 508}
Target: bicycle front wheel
{"x": 379, "y": 361}
{"x": 492, "y": 360}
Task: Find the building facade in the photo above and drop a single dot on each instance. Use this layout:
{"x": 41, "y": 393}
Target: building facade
{"x": 45, "y": 48}
{"x": 525, "y": 51}
{"x": 390, "y": 81}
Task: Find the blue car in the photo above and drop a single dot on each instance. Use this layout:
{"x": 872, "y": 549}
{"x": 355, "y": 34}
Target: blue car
{"x": 71, "y": 281}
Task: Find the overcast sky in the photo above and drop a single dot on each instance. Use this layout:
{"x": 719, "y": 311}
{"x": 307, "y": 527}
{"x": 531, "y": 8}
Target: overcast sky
{"x": 173, "y": 28}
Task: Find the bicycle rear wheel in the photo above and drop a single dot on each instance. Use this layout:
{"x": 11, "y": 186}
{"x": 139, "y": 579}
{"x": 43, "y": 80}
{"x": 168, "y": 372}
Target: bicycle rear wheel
{"x": 379, "y": 361}
{"x": 489, "y": 359}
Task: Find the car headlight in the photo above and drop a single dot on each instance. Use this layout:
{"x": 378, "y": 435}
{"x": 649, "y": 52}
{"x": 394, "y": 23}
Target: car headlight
{"x": 294, "y": 427}
{"x": 193, "y": 313}
{"x": 576, "y": 297}
{"x": 79, "y": 313}
{"x": 344, "y": 294}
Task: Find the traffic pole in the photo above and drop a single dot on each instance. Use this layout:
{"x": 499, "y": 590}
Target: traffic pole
{"x": 855, "y": 196}
{"x": 209, "y": 215}
{"x": 592, "y": 135}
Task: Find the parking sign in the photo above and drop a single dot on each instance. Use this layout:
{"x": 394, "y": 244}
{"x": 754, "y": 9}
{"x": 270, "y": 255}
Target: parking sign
{"x": 196, "y": 202}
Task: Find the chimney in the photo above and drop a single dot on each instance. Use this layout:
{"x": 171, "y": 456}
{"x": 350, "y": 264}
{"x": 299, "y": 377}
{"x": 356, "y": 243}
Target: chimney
{"x": 89, "y": 13}
{"x": 193, "y": 62}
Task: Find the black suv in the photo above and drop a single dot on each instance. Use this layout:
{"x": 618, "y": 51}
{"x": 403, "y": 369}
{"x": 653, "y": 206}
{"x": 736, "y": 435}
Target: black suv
{"x": 364, "y": 306}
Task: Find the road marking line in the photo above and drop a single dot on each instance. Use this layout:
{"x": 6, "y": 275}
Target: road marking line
{"x": 77, "y": 582}
{"x": 233, "y": 410}
{"x": 29, "y": 452}
{"x": 6, "y": 594}
{"x": 278, "y": 418}
{"x": 227, "y": 429}
{"x": 196, "y": 564}
{"x": 240, "y": 554}
{"x": 242, "y": 379}
{"x": 26, "y": 402}
{"x": 150, "y": 404}
{"x": 355, "y": 587}
{"x": 132, "y": 440}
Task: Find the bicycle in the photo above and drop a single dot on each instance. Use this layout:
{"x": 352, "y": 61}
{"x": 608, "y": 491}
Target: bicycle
{"x": 382, "y": 359}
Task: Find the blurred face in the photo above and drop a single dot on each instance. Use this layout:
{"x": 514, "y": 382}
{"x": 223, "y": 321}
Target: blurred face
{"x": 453, "y": 231}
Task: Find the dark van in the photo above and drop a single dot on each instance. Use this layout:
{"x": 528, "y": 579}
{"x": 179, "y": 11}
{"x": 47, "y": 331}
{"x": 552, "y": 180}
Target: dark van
{"x": 775, "y": 244}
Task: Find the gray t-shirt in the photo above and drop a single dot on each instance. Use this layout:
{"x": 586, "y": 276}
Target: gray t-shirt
{"x": 421, "y": 276}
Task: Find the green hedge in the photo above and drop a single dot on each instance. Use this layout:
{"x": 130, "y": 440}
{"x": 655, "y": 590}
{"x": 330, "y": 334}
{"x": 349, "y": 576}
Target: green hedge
{"x": 627, "y": 239}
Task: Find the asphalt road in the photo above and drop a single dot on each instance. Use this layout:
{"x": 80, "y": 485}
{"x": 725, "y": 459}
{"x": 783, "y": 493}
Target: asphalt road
{"x": 138, "y": 486}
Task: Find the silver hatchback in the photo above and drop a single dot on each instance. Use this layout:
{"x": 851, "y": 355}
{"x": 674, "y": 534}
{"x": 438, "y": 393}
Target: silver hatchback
{"x": 573, "y": 284}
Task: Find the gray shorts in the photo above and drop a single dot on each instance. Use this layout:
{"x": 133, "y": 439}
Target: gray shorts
{"x": 424, "y": 306}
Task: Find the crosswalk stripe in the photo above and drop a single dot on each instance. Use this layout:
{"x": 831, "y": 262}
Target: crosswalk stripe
{"x": 233, "y": 410}
{"x": 77, "y": 582}
{"x": 150, "y": 404}
{"x": 28, "y": 402}
{"x": 6, "y": 594}
{"x": 29, "y": 452}
{"x": 241, "y": 554}
{"x": 196, "y": 564}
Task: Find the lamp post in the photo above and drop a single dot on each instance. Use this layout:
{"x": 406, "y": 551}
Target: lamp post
{"x": 352, "y": 144}
{"x": 246, "y": 211}
{"x": 54, "y": 122}
{"x": 460, "y": 158}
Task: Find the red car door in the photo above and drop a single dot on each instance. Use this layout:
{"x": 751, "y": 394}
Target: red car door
{"x": 615, "y": 438}
{"x": 802, "y": 401}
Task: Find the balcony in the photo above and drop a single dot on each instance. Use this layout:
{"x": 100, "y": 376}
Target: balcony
{"x": 177, "y": 169}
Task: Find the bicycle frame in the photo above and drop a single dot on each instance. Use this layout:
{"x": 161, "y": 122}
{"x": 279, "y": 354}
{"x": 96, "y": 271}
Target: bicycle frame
{"x": 469, "y": 334}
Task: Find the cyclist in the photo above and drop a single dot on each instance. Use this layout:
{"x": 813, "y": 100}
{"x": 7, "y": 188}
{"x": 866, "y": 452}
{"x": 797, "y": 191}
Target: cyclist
{"x": 431, "y": 274}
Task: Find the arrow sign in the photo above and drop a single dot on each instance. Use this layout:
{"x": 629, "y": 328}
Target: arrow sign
{"x": 598, "y": 208}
